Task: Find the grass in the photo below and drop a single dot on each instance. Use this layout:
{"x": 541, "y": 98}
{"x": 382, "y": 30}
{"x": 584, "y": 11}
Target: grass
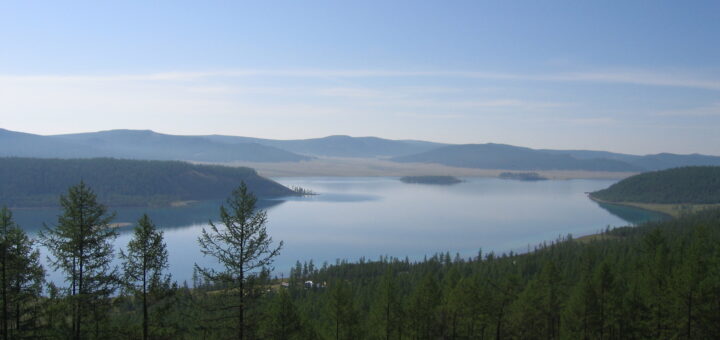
{"x": 670, "y": 209}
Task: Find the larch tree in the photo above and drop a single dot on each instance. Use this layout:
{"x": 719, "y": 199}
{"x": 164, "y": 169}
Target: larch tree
{"x": 243, "y": 246}
{"x": 144, "y": 264}
{"x": 82, "y": 248}
{"x": 21, "y": 276}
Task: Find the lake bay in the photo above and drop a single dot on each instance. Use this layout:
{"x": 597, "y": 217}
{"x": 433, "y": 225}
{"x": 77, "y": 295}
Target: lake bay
{"x": 368, "y": 217}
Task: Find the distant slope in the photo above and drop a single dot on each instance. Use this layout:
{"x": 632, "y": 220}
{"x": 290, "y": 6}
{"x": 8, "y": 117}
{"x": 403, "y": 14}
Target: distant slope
{"x": 145, "y": 144}
{"x": 28, "y": 145}
{"x": 648, "y": 162}
{"x": 500, "y": 156}
{"x": 138, "y": 144}
{"x": 39, "y": 182}
{"x": 341, "y": 146}
{"x": 695, "y": 185}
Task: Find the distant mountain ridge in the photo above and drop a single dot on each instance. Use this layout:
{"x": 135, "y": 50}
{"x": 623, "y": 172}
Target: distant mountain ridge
{"x": 341, "y": 146}
{"x": 149, "y": 145}
{"x": 502, "y": 156}
{"x": 138, "y": 144}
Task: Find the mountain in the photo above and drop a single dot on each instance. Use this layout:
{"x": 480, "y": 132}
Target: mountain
{"x": 647, "y": 162}
{"x": 692, "y": 185}
{"x": 28, "y": 145}
{"x": 138, "y": 144}
{"x": 501, "y": 156}
{"x": 340, "y": 146}
{"x": 39, "y": 182}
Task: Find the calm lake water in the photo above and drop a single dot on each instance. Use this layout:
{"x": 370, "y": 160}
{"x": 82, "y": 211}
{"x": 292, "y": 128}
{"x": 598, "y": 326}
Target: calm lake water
{"x": 370, "y": 217}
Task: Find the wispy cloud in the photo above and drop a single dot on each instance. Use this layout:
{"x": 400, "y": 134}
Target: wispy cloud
{"x": 700, "y": 111}
{"x": 637, "y": 77}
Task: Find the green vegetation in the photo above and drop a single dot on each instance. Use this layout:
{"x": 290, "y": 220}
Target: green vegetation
{"x": 687, "y": 185}
{"x": 244, "y": 248}
{"x": 39, "y": 182}
{"x": 660, "y": 280}
{"x": 81, "y": 248}
{"x": 522, "y": 176}
{"x": 442, "y": 180}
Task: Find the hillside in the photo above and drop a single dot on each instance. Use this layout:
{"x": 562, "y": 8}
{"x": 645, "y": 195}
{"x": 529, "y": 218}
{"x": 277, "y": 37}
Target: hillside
{"x": 138, "y": 144}
{"x": 39, "y": 182}
{"x": 500, "y": 156}
{"x": 654, "y": 162}
{"x": 659, "y": 280}
{"x": 341, "y": 146}
{"x": 686, "y": 185}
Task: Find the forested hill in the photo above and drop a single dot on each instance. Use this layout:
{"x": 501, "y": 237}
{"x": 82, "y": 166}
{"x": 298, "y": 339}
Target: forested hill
{"x": 694, "y": 184}
{"x": 660, "y": 280}
{"x": 39, "y": 182}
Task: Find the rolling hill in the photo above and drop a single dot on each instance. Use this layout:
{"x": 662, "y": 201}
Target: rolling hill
{"x": 340, "y": 146}
{"x": 686, "y": 185}
{"x": 138, "y": 144}
{"x": 500, "y": 156}
{"x": 149, "y": 145}
{"x": 39, "y": 182}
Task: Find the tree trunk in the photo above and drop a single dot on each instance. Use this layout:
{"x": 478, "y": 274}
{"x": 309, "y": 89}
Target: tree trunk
{"x": 145, "y": 308}
{"x": 4, "y": 294}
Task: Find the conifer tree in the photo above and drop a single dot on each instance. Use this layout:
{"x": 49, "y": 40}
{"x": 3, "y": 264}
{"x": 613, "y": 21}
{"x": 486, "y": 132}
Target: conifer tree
{"x": 242, "y": 246}
{"x": 284, "y": 320}
{"x": 81, "y": 247}
{"x": 386, "y": 312}
{"x": 21, "y": 276}
{"x": 143, "y": 266}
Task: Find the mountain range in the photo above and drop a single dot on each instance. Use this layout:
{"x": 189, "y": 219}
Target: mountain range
{"x": 150, "y": 145}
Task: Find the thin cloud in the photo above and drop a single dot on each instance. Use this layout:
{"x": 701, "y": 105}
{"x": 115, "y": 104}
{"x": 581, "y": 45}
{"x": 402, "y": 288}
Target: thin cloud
{"x": 671, "y": 79}
{"x": 701, "y": 111}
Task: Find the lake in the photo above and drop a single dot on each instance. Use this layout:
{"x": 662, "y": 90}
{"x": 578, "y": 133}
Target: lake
{"x": 352, "y": 218}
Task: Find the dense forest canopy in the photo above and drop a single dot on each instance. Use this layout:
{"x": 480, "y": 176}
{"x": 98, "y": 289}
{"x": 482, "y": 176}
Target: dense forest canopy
{"x": 39, "y": 182}
{"x": 691, "y": 185}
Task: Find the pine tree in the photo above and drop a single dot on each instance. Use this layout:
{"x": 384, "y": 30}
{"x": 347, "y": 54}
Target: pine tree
{"x": 21, "y": 276}
{"x": 243, "y": 247}
{"x": 81, "y": 245}
{"x": 143, "y": 266}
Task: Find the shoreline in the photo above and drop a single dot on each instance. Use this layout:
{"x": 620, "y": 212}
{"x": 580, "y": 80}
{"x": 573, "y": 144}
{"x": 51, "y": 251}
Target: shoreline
{"x": 366, "y": 167}
{"x": 673, "y": 210}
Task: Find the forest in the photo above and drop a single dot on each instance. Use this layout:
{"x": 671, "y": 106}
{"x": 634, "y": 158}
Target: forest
{"x": 659, "y": 280}
{"x": 686, "y": 185}
{"x": 32, "y": 182}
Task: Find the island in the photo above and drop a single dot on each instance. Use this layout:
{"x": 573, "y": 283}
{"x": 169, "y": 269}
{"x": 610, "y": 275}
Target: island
{"x": 439, "y": 180}
{"x": 673, "y": 192}
{"x": 522, "y": 176}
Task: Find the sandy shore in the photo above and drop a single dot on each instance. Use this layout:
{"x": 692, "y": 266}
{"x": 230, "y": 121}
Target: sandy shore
{"x": 361, "y": 167}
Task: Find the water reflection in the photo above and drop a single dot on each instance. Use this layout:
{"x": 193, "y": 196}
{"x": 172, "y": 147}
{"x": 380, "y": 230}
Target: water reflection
{"x": 370, "y": 217}
{"x": 631, "y": 214}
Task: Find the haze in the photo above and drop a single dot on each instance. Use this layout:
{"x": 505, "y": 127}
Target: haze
{"x": 625, "y": 77}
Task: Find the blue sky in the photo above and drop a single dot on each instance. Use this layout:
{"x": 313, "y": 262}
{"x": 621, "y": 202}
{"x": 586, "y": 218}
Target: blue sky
{"x": 628, "y": 76}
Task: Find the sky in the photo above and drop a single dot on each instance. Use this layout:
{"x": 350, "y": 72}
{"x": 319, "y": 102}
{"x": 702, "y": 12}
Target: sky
{"x": 626, "y": 76}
